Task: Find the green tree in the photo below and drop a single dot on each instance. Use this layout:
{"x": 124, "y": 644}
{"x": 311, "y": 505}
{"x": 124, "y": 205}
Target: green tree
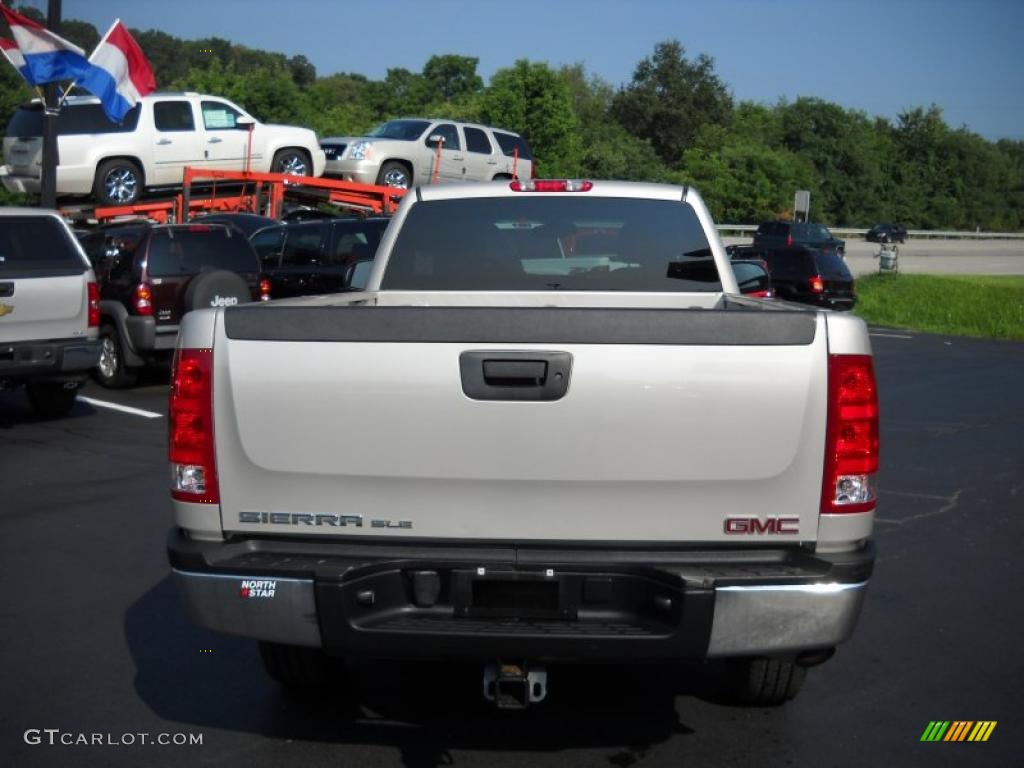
{"x": 609, "y": 151}
{"x": 452, "y": 78}
{"x": 532, "y": 99}
{"x": 741, "y": 179}
{"x": 841, "y": 146}
{"x": 302, "y": 70}
{"x": 269, "y": 93}
{"x": 670, "y": 98}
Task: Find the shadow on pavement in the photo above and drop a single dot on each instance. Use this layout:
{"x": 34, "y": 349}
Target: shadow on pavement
{"x": 190, "y": 676}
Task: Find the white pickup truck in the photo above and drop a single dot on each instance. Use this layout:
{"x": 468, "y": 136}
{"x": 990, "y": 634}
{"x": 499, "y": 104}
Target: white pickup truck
{"x": 550, "y": 430}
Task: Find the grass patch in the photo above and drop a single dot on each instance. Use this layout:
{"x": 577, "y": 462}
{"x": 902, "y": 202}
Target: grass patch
{"x": 958, "y": 305}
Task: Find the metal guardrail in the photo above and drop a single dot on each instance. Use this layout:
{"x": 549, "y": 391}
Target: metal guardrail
{"x": 918, "y": 233}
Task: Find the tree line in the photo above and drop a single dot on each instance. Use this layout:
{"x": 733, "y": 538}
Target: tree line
{"x": 674, "y": 121}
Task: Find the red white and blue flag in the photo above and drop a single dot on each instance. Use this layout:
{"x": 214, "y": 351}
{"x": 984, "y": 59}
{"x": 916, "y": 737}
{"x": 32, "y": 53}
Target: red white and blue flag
{"x": 119, "y": 74}
{"x": 47, "y": 57}
{"x": 13, "y": 54}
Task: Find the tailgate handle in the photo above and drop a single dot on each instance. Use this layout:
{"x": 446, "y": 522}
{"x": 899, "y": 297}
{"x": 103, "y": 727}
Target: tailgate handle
{"x": 6, "y": 290}
{"x": 515, "y": 375}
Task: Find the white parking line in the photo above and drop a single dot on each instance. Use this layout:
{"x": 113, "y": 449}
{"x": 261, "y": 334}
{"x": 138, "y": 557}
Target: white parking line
{"x": 890, "y": 336}
{"x": 122, "y": 408}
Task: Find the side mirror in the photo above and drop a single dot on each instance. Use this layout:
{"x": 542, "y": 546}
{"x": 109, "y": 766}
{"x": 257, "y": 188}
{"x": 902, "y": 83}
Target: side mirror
{"x": 436, "y": 139}
{"x": 245, "y": 122}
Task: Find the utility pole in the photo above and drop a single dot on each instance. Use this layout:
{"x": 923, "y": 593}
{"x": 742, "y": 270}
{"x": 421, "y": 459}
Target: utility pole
{"x": 51, "y": 93}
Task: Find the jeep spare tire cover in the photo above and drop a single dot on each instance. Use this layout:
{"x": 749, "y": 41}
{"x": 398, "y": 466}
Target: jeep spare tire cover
{"x": 217, "y": 288}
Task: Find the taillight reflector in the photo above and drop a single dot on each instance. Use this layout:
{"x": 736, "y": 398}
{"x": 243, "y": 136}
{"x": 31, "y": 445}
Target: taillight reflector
{"x": 94, "y": 305}
{"x": 817, "y": 284}
{"x": 190, "y": 438}
{"x": 264, "y": 289}
{"x": 851, "y": 436}
{"x": 551, "y": 185}
{"x": 143, "y": 299}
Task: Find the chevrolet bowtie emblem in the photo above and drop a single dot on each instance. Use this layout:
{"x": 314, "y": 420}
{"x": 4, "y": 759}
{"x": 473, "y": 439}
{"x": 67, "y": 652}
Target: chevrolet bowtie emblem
{"x": 5, "y": 309}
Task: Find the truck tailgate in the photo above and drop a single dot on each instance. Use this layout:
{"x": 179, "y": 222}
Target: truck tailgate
{"x": 40, "y": 308}
{"x": 672, "y": 422}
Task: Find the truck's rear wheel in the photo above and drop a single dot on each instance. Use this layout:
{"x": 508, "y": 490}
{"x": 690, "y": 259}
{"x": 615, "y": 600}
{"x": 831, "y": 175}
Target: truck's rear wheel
{"x": 297, "y": 667}
{"x": 764, "y": 682}
{"x": 112, "y": 371}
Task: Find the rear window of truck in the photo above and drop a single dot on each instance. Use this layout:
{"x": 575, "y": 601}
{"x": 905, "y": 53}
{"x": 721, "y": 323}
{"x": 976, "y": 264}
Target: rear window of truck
{"x": 199, "y": 248}
{"x": 37, "y": 246}
{"x": 564, "y": 243}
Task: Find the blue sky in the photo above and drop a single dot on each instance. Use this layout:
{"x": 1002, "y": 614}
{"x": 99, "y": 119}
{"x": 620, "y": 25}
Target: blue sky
{"x": 880, "y": 57}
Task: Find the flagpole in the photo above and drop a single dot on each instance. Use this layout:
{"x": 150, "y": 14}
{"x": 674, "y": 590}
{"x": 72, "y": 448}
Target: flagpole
{"x": 48, "y": 180}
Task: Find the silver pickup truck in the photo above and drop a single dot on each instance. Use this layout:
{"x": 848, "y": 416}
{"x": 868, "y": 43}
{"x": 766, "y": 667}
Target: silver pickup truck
{"x": 550, "y": 430}
{"x": 49, "y": 310}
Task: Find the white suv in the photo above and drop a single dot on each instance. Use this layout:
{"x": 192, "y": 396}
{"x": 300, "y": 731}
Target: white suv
{"x": 151, "y": 146}
{"x": 400, "y": 153}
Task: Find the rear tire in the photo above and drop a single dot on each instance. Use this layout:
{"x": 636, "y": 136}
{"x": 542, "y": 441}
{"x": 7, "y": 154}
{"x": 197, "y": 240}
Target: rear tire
{"x": 51, "y": 399}
{"x": 118, "y": 182}
{"x": 111, "y": 371}
{"x": 296, "y": 667}
{"x": 764, "y": 682}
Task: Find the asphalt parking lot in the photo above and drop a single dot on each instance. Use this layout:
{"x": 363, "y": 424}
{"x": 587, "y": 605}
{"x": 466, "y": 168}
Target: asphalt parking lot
{"x": 93, "y": 639}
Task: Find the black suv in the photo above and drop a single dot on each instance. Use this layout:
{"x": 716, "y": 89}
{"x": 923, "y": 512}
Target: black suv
{"x": 786, "y": 234}
{"x": 811, "y": 276}
{"x": 308, "y": 258}
{"x": 886, "y": 233}
{"x": 150, "y": 275}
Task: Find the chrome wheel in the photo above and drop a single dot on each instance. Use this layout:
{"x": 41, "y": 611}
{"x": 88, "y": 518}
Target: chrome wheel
{"x": 396, "y": 177}
{"x": 293, "y": 163}
{"x": 121, "y": 185}
{"x": 108, "y": 358}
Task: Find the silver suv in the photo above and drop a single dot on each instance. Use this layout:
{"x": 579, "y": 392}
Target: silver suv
{"x": 49, "y": 309}
{"x": 400, "y": 153}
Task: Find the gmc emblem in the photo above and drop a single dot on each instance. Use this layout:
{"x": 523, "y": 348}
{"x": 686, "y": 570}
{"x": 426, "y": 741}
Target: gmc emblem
{"x": 753, "y": 525}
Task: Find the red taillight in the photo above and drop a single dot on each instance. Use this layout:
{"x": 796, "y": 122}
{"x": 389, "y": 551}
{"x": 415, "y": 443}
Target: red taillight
{"x": 264, "y": 289}
{"x": 551, "y": 185}
{"x": 143, "y": 299}
{"x": 851, "y": 436}
{"x": 533, "y": 169}
{"x": 817, "y": 284}
{"x": 789, "y": 241}
{"x": 94, "y": 305}
{"x": 760, "y": 294}
{"x": 190, "y": 438}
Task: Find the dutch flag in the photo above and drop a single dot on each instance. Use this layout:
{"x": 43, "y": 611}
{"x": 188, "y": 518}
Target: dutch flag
{"x": 47, "y": 57}
{"x": 13, "y": 54}
{"x": 119, "y": 74}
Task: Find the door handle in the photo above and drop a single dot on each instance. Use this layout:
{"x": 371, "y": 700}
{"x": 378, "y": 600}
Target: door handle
{"x": 162, "y": 142}
{"x": 215, "y": 140}
{"x": 492, "y": 162}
